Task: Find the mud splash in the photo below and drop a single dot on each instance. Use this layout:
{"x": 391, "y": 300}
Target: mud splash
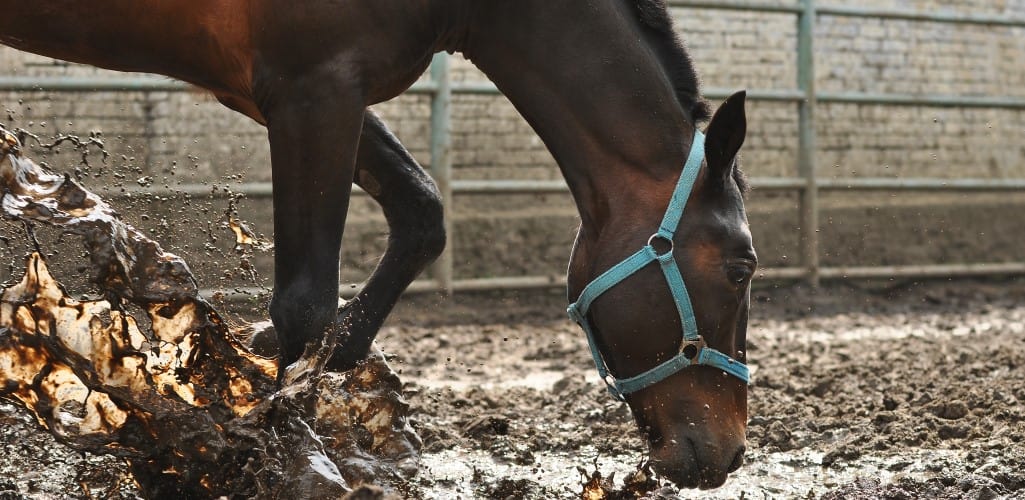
{"x": 179, "y": 395}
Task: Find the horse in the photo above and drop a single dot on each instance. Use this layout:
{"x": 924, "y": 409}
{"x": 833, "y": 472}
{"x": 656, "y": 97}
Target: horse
{"x": 607, "y": 86}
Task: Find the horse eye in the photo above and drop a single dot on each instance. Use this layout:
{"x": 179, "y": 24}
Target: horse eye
{"x": 738, "y": 274}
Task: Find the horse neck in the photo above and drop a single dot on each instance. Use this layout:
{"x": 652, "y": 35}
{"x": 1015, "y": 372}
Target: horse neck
{"x": 597, "y": 94}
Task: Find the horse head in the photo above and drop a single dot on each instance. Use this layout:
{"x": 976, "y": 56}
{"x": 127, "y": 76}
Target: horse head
{"x": 668, "y": 324}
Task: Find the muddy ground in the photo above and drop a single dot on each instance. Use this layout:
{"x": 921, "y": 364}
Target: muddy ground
{"x": 913, "y": 390}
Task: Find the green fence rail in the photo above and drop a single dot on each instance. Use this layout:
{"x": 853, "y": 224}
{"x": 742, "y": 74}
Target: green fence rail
{"x": 805, "y": 97}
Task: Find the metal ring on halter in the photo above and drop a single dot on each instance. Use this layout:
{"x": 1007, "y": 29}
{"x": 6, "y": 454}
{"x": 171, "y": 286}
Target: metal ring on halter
{"x": 657, "y": 236}
{"x": 692, "y": 348}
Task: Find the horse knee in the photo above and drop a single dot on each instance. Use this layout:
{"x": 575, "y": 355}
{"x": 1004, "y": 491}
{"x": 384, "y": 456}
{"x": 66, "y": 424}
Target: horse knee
{"x": 422, "y": 231}
{"x": 433, "y": 237}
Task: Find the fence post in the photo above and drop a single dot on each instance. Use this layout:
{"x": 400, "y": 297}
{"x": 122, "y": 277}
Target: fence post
{"x": 441, "y": 160}
{"x": 806, "y": 141}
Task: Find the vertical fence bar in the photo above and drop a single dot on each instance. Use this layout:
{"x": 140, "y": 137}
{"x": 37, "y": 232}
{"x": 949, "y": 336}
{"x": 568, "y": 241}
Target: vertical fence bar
{"x": 441, "y": 160}
{"x": 806, "y": 141}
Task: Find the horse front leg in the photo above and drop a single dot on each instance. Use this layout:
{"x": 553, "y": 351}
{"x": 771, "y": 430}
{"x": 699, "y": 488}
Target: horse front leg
{"x": 314, "y": 125}
{"x": 412, "y": 207}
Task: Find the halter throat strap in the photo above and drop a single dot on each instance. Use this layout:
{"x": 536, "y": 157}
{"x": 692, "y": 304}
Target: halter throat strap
{"x": 693, "y": 350}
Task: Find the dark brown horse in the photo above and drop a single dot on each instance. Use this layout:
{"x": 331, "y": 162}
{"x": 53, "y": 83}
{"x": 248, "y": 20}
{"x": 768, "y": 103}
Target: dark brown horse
{"x": 606, "y": 85}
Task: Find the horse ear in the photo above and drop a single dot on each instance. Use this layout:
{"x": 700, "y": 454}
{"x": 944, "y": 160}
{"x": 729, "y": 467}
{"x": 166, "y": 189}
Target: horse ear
{"x": 725, "y": 136}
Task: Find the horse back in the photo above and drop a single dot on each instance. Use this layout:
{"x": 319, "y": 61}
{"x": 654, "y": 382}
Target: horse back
{"x": 237, "y": 49}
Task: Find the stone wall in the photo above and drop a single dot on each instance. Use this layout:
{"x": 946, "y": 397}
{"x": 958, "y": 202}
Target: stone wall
{"x": 173, "y": 138}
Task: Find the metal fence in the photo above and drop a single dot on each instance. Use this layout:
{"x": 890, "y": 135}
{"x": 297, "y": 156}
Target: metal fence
{"x": 804, "y": 96}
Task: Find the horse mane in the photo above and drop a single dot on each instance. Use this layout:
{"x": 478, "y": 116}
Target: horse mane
{"x": 658, "y": 26}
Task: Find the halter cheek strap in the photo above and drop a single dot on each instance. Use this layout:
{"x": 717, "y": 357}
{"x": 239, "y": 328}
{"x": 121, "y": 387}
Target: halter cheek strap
{"x": 693, "y": 350}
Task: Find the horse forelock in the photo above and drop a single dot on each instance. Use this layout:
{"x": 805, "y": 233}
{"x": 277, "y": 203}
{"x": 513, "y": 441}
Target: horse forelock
{"x": 654, "y": 17}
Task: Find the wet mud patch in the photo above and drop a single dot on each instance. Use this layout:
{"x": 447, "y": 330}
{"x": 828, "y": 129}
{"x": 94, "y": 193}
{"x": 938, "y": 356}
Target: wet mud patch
{"x": 920, "y": 390}
{"x": 942, "y": 488}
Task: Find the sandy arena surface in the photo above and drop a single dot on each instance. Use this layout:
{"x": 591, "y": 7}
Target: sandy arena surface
{"x": 911, "y": 391}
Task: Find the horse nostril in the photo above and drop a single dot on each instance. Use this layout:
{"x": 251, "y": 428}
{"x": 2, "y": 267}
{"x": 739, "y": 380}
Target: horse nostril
{"x": 738, "y": 460}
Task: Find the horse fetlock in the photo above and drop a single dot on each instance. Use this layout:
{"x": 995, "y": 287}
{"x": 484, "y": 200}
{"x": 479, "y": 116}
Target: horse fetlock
{"x": 300, "y": 318}
{"x": 351, "y": 350}
{"x": 356, "y": 338}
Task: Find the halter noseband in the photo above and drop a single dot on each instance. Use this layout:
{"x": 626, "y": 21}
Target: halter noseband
{"x": 693, "y": 350}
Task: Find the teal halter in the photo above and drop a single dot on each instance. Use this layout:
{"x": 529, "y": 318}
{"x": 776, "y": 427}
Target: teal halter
{"x": 693, "y": 350}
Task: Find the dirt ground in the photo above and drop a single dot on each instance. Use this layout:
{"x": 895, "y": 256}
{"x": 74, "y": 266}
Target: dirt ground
{"x": 913, "y": 390}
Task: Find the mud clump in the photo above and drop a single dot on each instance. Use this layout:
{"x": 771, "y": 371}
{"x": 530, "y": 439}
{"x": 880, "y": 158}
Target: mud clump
{"x": 954, "y": 410}
{"x": 9, "y": 490}
{"x": 487, "y": 426}
{"x": 510, "y": 489}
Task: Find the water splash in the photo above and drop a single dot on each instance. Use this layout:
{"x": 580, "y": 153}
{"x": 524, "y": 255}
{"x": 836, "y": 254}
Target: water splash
{"x": 182, "y": 398}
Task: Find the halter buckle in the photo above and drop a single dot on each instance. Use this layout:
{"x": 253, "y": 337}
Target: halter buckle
{"x": 613, "y": 387}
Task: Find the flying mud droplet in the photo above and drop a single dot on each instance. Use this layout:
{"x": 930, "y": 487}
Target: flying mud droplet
{"x": 245, "y": 238}
{"x": 195, "y": 413}
{"x": 243, "y": 235}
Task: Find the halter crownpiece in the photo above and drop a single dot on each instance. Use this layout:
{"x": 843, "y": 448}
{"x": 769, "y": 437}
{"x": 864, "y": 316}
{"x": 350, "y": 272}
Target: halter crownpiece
{"x": 693, "y": 350}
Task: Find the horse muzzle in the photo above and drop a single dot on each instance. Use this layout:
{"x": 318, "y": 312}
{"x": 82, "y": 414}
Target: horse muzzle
{"x": 698, "y": 461}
